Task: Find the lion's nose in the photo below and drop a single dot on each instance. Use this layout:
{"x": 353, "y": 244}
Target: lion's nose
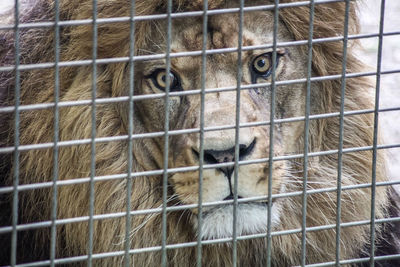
{"x": 212, "y": 156}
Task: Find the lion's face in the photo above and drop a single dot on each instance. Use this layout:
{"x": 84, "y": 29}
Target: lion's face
{"x": 109, "y": 194}
{"x": 220, "y": 110}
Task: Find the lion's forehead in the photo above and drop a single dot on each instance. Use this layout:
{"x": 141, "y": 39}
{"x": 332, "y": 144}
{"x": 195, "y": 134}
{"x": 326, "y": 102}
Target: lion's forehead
{"x": 222, "y": 32}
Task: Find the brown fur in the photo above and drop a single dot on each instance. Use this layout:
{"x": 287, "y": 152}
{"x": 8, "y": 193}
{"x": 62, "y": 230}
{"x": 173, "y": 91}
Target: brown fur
{"x": 36, "y": 166}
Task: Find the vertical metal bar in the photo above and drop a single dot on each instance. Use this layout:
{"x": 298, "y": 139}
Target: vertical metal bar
{"x": 166, "y": 139}
{"x": 201, "y": 159}
{"x": 93, "y": 135}
{"x": 271, "y": 129}
{"x": 341, "y": 126}
{"x": 130, "y": 132}
{"x": 237, "y": 136}
{"x": 13, "y": 258}
{"x": 56, "y": 131}
{"x": 306, "y": 134}
{"x": 375, "y": 140}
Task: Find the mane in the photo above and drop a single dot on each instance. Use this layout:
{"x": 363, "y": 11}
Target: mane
{"x": 37, "y": 86}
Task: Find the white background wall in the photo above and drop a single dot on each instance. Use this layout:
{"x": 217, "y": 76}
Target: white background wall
{"x": 5, "y": 3}
{"x": 390, "y": 84}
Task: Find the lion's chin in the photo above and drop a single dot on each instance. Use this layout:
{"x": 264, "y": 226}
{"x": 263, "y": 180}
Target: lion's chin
{"x": 252, "y": 218}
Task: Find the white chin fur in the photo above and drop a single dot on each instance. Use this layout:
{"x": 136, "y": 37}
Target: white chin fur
{"x": 252, "y": 218}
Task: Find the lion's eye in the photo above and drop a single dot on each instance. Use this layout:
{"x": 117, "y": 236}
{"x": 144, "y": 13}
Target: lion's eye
{"x": 261, "y": 66}
{"x": 159, "y": 78}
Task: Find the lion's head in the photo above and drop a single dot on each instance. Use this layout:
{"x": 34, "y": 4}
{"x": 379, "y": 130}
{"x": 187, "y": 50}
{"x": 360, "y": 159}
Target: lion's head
{"x": 241, "y": 153}
{"x": 220, "y": 111}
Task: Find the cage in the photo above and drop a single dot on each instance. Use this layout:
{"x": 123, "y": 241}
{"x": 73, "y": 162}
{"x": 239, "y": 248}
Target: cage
{"x": 215, "y": 133}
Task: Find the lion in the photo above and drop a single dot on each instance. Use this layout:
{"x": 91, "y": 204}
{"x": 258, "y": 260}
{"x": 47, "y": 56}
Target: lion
{"x": 89, "y": 196}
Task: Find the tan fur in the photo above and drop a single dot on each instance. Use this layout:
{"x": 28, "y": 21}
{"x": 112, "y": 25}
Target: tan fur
{"x": 36, "y": 166}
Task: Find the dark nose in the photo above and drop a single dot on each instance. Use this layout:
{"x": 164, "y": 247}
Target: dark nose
{"x": 220, "y": 156}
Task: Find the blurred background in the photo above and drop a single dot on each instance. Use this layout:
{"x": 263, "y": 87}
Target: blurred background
{"x": 390, "y": 83}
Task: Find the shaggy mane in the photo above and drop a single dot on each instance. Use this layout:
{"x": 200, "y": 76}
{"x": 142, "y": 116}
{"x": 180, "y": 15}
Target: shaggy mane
{"x": 75, "y": 83}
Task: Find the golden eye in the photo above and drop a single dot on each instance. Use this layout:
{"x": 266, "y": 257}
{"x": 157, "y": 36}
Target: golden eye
{"x": 159, "y": 78}
{"x": 262, "y": 64}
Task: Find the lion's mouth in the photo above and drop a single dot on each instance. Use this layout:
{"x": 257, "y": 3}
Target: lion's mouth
{"x": 231, "y": 196}
{"x": 252, "y": 203}
{"x": 260, "y": 202}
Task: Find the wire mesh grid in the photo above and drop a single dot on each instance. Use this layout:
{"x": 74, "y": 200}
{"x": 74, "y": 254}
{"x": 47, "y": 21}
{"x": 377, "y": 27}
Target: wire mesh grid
{"x": 97, "y": 63}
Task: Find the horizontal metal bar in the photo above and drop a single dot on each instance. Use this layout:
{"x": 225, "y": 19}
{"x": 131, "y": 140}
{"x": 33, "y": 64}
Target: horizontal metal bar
{"x": 358, "y": 260}
{"x": 75, "y": 63}
{"x": 120, "y": 253}
{"x": 44, "y": 224}
{"x": 61, "y": 23}
{"x": 9, "y": 109}
{"x": 10, "y": 149}
{"x": 9, "y": 189}
{"x": 184, "y": 131}
{"x": 221, "y": 240}
{"x": 181, "y": 207}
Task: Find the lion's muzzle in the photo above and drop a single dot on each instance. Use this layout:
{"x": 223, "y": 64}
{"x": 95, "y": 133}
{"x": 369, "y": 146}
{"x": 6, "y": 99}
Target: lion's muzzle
{"x": 212, "y": 156}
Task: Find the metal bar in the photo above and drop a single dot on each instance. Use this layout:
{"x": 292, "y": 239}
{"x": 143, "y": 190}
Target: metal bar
{"x": 191, "y": 168}
{"x": 237, "y": 135}
{"x": 245, "y": 48}
{"x": 118, "y": 253}
{"x": 127, "y": 257}
{"x": 87, "y": 62}
{"x": 186, "y": 131}
{"x": 357, "y": 260}
{"x": 271, "y": 130}
{"x": 93, "y": 136}
{"x": 135, "y": 175}
{"x": 45, "y": 224}
{"x": 341, "y": 129}
{"x": 76, "y": 63}
{"x": 201, "y": 148}
{"x": 375, "y": 140}
{"x": 53, "y": 238}
{"x": 187, "y": 169}
{"x": 191, "y": 130}
{"x": 162, "y": 16}
{"x": 306, "y": 135}
{"x": 192, "y": 244}
{"x": 189, "y": 92}
{"x": 16, "y": 163}
{"x": 166, "y": 136}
